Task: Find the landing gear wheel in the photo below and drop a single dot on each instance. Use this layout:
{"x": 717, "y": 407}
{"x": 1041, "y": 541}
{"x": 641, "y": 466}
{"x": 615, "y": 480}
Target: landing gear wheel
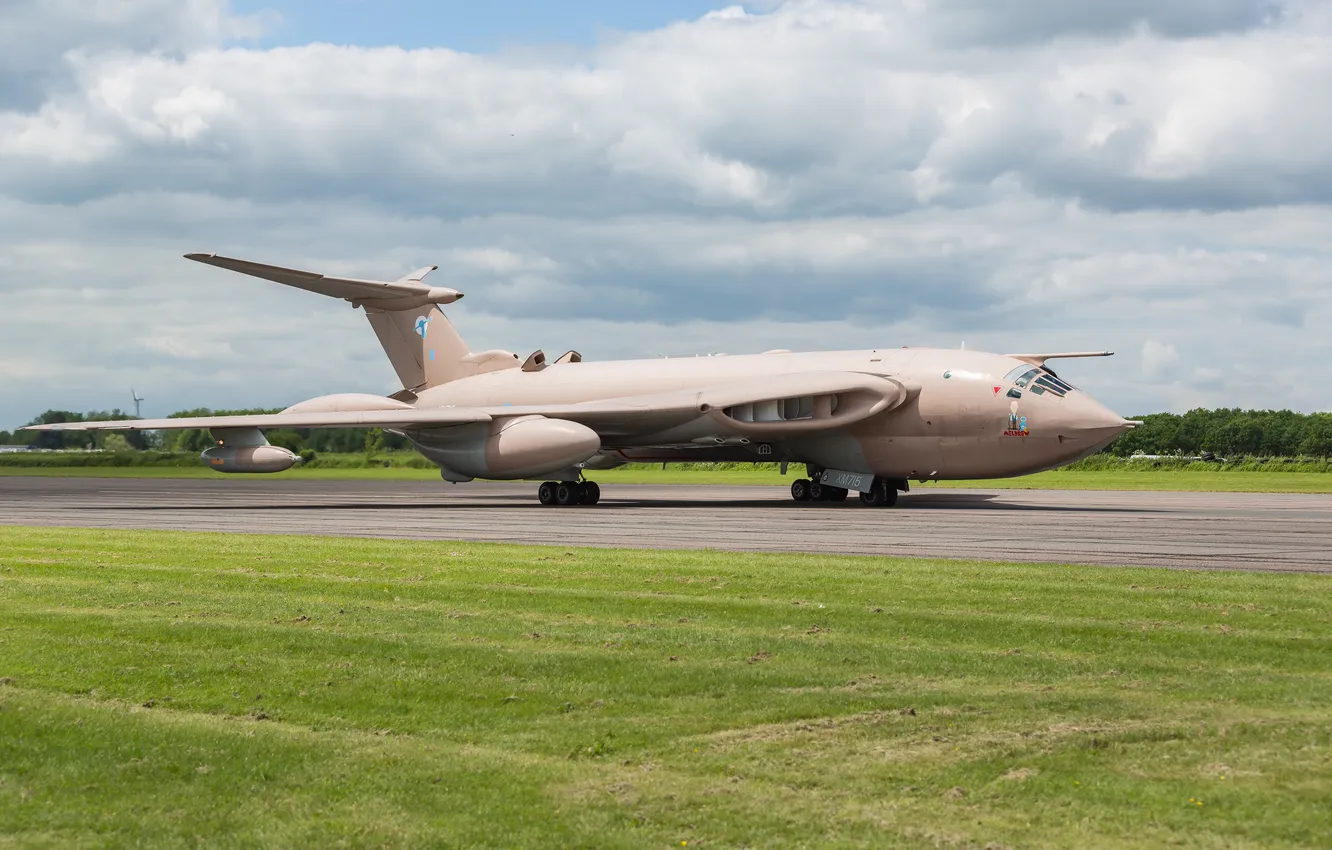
{"x": 546, "y": 493}
{"x": 591, "y": 493}
{"x": 800, "y": 489}
{"x": 882, "y": 495}
{"x": 835, "y": 494}
{"x": 817, "y": 492}
{"x": 568, "y": 493}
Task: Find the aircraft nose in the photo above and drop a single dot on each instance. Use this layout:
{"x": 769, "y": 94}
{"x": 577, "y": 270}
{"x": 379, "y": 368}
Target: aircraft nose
{"x": 1086, "y": 421}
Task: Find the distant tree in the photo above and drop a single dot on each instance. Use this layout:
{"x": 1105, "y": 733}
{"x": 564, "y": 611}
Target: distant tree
{"x": 1318, "y": 436}
{"x": 116, "y": 442}
{"x": 374, "y": 442}
{"x": 287, "y": 439}
{"x": 1193, "y": 428}
{"x": 1235, "y": 435}
{"x": 58, "y": 439}
{"x": 1157, "y": 435}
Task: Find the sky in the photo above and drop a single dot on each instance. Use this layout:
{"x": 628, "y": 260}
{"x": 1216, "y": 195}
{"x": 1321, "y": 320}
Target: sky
{"x": 1148, "y": 176}
{"x": 462, "y": 24}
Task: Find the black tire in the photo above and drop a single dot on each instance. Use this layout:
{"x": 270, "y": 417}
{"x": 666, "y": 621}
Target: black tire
{"x": 591, "y": 493}
{"x": 835, "y": 494}
{"x": 889, "y": 494}
{"x": 546, "y": 493}
{"x": 817, "y": 492}
{"x": 568, "y": 493}
{"x": 800, "y": 489}
{"x": 882, "y": 495}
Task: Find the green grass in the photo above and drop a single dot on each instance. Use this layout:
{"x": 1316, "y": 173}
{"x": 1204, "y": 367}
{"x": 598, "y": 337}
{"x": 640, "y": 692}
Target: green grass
{"x": 1070, "y": 479}
{"x": 163, "y": 689}
{"x": 1158, "y": 479}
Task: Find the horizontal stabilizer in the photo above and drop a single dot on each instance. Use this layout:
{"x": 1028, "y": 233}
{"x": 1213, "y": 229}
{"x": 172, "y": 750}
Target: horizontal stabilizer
{"x": 404, "y": 294}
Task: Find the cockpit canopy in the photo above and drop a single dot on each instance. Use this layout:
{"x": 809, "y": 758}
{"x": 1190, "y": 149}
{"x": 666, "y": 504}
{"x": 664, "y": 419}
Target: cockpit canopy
{"x": 1039, "y": 381}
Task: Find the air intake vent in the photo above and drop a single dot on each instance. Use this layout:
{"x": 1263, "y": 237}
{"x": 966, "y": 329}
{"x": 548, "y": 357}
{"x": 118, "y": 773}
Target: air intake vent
{"x": 781, "y": 410}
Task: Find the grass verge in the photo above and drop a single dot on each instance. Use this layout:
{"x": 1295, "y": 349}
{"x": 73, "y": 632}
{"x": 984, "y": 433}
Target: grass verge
{"x": 164, "y": 688}
{"x": 1070, "y": 479}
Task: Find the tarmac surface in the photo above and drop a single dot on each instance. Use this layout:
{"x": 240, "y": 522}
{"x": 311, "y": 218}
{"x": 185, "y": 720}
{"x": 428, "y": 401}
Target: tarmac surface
{"x": 1249, "y": 531}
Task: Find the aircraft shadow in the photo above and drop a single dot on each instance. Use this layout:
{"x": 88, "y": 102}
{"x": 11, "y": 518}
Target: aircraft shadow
{"x": 924, "y": 501}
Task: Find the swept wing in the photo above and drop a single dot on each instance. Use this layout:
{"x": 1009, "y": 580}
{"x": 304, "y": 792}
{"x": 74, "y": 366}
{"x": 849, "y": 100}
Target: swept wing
{"x": 339, "y": 419}
{"x": 769, "y": 408}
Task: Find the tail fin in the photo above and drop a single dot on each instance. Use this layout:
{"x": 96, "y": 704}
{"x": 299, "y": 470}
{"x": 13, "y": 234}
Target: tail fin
{"x": 418, "y": 338}
{"x": 422, "y": 344}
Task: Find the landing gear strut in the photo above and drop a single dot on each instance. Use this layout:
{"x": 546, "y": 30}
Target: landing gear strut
{"x": 567, "y": 493}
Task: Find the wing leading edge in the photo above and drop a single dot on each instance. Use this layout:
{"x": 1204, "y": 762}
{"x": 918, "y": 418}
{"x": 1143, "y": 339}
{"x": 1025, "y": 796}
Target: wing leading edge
{"x": 436, "y": 417}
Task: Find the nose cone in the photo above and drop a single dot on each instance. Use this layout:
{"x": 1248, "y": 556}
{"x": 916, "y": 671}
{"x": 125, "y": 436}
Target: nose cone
{"x": 1085, "y": 421}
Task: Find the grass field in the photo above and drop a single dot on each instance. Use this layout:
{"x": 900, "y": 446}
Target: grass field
{"x": 164, "y": 689}
{"x": 1073, "y": 479}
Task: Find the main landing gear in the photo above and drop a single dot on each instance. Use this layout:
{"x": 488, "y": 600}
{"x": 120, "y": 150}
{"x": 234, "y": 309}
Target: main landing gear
{"x": 804, "y": 490}
{"x": 883, "y": 493}
{"x": 567, "y": 493}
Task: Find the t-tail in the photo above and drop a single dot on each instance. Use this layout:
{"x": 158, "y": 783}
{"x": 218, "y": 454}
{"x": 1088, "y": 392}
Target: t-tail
{"x": 420, "y": 341}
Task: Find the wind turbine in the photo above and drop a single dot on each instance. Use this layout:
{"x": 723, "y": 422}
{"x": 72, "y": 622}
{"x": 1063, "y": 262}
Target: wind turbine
{"x": 138, "y": 399}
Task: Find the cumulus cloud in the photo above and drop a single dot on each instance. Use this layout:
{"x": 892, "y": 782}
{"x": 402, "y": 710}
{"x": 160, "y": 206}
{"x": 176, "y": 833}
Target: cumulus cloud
{"x": 1157, "y": 357}
{"x": 42, "y": 40}
{"x": 802, "y": 174}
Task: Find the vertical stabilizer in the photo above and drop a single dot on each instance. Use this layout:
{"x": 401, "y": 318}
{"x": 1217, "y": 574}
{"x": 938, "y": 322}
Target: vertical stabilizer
{"x": 422, "y": 344}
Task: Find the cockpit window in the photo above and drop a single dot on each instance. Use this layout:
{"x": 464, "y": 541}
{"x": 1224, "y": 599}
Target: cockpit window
{"x": 1039, "y": 381}
{"x": 1025, "y": 379}
{"x": 1053, "y": 384}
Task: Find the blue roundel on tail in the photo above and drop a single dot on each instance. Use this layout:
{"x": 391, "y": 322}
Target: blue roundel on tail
{"x": 421, "y": 324}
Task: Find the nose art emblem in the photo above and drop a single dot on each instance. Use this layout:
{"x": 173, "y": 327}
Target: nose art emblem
{"x": 1017, "y": 425}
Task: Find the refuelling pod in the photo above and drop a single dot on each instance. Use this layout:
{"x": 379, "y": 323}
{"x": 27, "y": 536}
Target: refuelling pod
{"x": 508, "y": 449}
{"x": 246, "y": 450}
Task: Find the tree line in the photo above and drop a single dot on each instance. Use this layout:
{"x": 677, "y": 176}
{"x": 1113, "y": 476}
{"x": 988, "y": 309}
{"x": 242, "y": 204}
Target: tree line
{"x": 1228, "y": 432}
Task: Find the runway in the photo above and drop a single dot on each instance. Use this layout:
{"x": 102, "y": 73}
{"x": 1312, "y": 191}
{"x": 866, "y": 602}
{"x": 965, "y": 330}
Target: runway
{"x": 1250, "y": 531}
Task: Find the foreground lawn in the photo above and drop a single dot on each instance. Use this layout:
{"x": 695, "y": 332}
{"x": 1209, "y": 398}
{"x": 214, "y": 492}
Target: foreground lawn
{"x": 161, "y": 689}
{"x": 1147, "y": 479}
